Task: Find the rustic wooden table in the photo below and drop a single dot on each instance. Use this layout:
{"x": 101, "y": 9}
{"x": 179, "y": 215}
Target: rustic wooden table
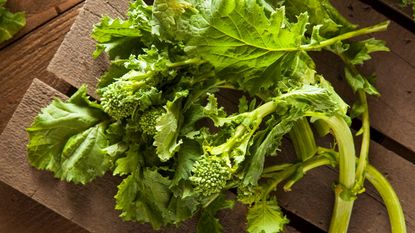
{"x": 21, "y": 60}
{"x": 29, "y": 54}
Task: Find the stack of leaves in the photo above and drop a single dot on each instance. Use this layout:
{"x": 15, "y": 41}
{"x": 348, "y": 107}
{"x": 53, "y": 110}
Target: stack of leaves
{"x": 159, "y": 125}
{"x": 10, "y": 23}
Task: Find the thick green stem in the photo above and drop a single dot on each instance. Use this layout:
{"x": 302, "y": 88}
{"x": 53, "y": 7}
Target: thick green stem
{"x": 303, "y": 140}
{"x": 347, "y": 161}
{"x": 384, "y": 188}
{"x": 391, "y": 200}
{"x": 364, "y": 149}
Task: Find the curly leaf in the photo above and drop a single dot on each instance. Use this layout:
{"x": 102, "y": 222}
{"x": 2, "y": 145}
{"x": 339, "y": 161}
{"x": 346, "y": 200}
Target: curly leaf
{"x": 153, "y": 193}
{"x": 115, "y": 36}
{"x": 224, "y": 32}
{"x": 145, "y": 197}
{"x": 266, "y": 217}
{"x": 75, "y": 142}
{"x": 359, "y": 52}
{"x": 321, "y": 13}
{"x": 188, "y": 154}
{"x": 133, "y": 161}
{"x": 168, "y": 127}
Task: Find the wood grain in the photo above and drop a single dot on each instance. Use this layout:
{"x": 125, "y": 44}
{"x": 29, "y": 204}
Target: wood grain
{"x": 20, "y": 214}
{"x": 20, "y": 63}
{"x": 37, "y": 13}
{"x": 73, "y": 61}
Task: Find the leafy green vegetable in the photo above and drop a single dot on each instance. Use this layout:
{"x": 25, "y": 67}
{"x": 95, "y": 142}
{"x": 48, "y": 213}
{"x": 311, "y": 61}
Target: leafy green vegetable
{"x": 75, "y": 142}
{"x": 10, "y": 23}
{"x": 161, "y": 128}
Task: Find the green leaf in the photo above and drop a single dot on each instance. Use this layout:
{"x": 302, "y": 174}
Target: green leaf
{"x": 117, "y": 37}
{"x": 266, "y": 217}
{"x": 168, "y": 127}
{"x": 269, "y": 145}
{"x": 141, "y": 14}
{"x": 223, "y": 32}
{"x": 145, "y": 197}
{"x": 83, "y": 157}
{"x": 114, "y": 72}
{"x": 188, "y": 154}
{"x": 358, "y": 82}
{"x": 208, "y": 223}
{"x": 182, "y": 208}
{"x": 10, "y": 23}
{"x": 132, "y": 162}
{"x": 359, "y": 52}
{"x": 75, "y": 142}
{"x": 214, "y": 112}
{"x": 321, "y": 13}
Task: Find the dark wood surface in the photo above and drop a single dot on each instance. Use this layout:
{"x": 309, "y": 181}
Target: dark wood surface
{"x": 27, "y": 58}
{"x": 21, "y": 60}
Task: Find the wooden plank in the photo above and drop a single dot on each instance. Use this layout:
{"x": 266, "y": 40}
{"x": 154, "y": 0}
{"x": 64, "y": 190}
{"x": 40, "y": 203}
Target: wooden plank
{"x": 73, "y": 62}
{"x": 395, "y": 75}
{"x": 20, "y": 214}
{"x": 37, "y": 12}
{"x": 91, "y": 206}
{"x": 21, "y": 62}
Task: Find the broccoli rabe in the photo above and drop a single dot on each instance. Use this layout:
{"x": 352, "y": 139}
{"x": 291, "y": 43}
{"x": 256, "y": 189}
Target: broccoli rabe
{"x": 122, "y": 98}
{"x": 220, "y": 162}
{"x": 210, "y": 175}
{"x": 148, "y": 120}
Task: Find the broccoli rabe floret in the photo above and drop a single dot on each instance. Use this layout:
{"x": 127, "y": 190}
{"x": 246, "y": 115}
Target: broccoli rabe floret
{"x": 119, "y": 100}
{"x": 148, "y": 120}
{"x": 123, "y": 97}
{"x": 210, "y": 175}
